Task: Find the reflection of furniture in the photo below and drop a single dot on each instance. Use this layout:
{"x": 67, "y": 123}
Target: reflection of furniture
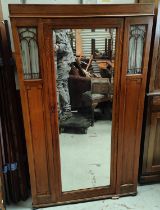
{"x": 77, "y": 86}
{"x": 104, "y": 63}
{"x": 80, "y": 86}
{"x": 76, "y": 124}
{"x": 101, "y": 91}
{"x": 107, "y": 69}
{"x": 150, "y": 151}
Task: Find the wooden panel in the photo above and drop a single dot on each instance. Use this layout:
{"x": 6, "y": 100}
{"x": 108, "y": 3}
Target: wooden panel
{"x": 37, "y": 123}
{"x": 145, "y": 179}
{"x": 131, "y": 106}
{"x": 130, "y": 136}
{"x": 153, "y": 163}
{"x": 80, "y": 10}
{"x": 83, "y": 22}
{"x": 150, "y": 157}
{"x": 155, "y": 53}
{"x": 150, "y": 171}
{"x": 156, "y": 101}
{"x": 156, "y": 155}
{"x": 157, "y": 68}
{"x": 133, "y": 89}
{"x": 36, "y": 115}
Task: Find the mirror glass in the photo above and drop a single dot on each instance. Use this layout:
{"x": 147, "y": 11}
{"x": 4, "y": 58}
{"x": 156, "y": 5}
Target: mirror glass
{"x": 84, "y": 65}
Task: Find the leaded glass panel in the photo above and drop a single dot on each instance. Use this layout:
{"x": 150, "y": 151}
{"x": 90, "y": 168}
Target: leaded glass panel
{"x": 136, "y": 48}
{"x": 29, "y": 50}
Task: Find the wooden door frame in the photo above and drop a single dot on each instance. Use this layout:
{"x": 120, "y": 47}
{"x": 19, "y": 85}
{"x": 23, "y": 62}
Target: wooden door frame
{"x": 40, "y": 16}
{"x": 81, "y": 24}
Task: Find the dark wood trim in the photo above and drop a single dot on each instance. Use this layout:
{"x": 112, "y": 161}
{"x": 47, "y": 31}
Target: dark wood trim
{"x": 113, "y": 196}
{"x": 75, "y": 22}
{"x": 150, "y": 178}
{"x": 50, "y": 11}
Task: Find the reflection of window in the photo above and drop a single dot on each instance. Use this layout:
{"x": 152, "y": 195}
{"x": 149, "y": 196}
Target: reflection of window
{"x": 136, "y": 47}
{"x": 87, "y": 41}
{"x": 29, "y": 50}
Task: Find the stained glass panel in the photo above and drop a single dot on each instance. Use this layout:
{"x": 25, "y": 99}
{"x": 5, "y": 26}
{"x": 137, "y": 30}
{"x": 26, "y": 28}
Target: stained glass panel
{"x": 136, "y": 48}
{"x": 29, "y": 50}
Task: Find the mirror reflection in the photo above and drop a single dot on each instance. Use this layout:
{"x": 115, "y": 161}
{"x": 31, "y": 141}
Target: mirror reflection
{"x": 84, "y": 63}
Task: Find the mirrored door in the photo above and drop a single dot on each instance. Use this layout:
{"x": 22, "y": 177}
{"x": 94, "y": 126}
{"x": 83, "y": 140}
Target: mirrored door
{"x": 84, "y": 62}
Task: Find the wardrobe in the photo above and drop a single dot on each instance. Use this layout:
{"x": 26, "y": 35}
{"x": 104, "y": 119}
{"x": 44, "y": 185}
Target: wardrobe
{"x": 150, "y": 158}
{"x": 59, "y": 157}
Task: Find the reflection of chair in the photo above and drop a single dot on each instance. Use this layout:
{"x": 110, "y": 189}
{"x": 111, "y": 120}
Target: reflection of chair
{"x": 77, "y": 86}
{"x": 100, "y": 92}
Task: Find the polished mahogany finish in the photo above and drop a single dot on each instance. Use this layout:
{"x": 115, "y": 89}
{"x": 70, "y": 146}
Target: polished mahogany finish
{"x": 39, "y": 101}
